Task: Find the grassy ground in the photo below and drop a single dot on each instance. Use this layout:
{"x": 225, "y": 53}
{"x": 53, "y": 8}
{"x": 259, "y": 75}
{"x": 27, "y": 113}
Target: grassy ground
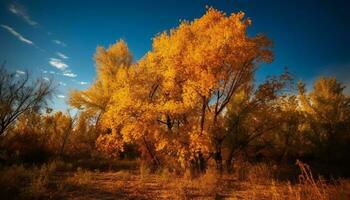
{"x": 61, "y": 181}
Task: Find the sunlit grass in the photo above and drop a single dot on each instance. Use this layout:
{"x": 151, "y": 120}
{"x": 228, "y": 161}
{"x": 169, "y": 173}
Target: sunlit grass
{"x": 248, "y": 181}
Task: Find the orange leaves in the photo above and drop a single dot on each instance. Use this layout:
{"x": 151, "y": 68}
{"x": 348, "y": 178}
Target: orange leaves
{"x": 168, "y": 95}
{"x": 109, "y": 144}
{"x": 199, "y": 141}
{"x": 109, "y": 60}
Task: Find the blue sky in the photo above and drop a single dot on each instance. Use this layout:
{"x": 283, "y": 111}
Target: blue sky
{"x": 57, "y": 39}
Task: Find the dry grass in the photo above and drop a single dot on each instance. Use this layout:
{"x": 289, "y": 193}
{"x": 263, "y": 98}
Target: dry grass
{"x": 255, "y": 182}
{"x": 27, "y": 183}
{"x": 80, "y": 178}
{"x": 259, "y": 183}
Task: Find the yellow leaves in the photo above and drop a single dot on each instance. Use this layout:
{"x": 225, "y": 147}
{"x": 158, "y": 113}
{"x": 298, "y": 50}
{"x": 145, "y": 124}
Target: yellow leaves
{"x": 199, "y": 141}
{"x": 326, "y": 101}
{"x": 111, "y": 65}
{"x": 112, "y": 73}
{"x": 109, "y": 143}
{"x": 123, "y": 97}
{"x": 161, "y": 145}
{"x": 109, "y": 60}
{"x": 169, "y": 79}
{"x": 202, "y": 50}
{"x": 190, "y": 96}
{"x": 162, "y": 95}
{"x": 327, "y": 88}
{"x": 131, "y": 131}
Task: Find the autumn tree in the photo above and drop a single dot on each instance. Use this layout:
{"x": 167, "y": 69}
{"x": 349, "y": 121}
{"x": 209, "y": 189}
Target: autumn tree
{"x": 109, "y": 63}
{"x": 61, "y": 130}
{"x": 20, "y": 94}
{"x": 289, "y": 141}
{"x": 327, "y": 110}
{"x": 83, "y": 137}
{"x": 252, "y": 116}
{"x": 27, "y": 139}
{"x": 38, "y": 136}
{"x": 172, "y": 99}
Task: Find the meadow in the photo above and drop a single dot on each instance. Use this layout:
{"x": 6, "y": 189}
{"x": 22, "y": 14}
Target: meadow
{"x": 129, "y": 180}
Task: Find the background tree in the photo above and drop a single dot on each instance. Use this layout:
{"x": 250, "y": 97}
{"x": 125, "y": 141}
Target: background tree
{"x": 27, "y": 139}
{"x": 288, "y": 138}
{"x": 18, "y": 95}
{"x": 327, "y": 111}
{"x": 252, "y": 115}
{"x": 83, "y": 138}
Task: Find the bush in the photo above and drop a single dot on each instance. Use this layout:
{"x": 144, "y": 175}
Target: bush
{"x": 12, "y": 180}
{"x": 80, "y": 178}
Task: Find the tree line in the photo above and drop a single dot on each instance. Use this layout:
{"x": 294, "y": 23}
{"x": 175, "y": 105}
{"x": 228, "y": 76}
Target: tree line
{"x": 190, "y": 101}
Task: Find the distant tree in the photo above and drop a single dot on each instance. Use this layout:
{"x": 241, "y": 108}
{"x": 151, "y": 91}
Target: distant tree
{"x": 28, "y": 138}
{"x": 63, "y": 129}
{"x": 19, "y": 94}
{"x": 82, "y": 140}
{"x": 251, "y": 114}
{"x": 38, "y": 136}
{"x": 288, "y": 137}
{"x": 327, "y": 111}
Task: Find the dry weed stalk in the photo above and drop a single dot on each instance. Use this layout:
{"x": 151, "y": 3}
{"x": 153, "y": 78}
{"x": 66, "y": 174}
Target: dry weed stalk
{"x": 318, "y": 189}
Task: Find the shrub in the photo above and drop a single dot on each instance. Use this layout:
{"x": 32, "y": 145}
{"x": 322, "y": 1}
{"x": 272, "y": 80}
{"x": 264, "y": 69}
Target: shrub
{"x": 80, "y": 177}
{"x": 12, "y": 180}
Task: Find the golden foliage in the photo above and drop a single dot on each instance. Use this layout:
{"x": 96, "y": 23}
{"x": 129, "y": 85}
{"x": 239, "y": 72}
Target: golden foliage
{"x": 173, "y": 96}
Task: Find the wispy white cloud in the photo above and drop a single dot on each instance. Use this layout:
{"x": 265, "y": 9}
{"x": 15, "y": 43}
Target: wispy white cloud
{"x": 21, "y": 12}
{"x": 61, "y": 96}
{"x": 83, "y": 83}
{"x": 17, "y": 35}
{"x": 46, "y": 78}
{"x": 20, "y": 72}
{"x": 58, "y": 63}
{"x": 69, "y": 74}
{"x": 61, "y": 55}
{"x": 59, "y": 43}
{"x": 63, "y": 84}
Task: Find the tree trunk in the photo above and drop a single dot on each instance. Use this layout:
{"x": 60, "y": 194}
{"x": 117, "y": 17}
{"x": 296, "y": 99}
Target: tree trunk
{"x": 204, "y": 106}
{"x": 154, "y": 160}
{"x": 229, "y": 162}
{"x": 218, "y": 156}
{"x": 198, "y": 164}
